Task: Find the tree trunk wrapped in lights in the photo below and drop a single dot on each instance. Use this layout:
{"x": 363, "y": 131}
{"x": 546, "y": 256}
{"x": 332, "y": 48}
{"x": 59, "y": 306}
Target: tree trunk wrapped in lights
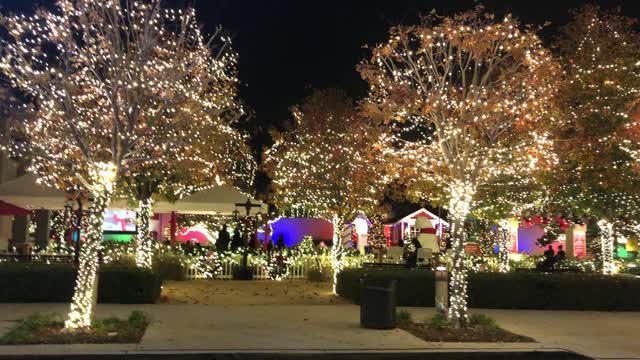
{"x": 85, "y": 294}
{"x": 336, "y": 250}
{"x": 607, "y": 241}
{"x": 459, "y": 207}
{"x": 144, "y": 242}
{"x": 468, "y": 99}
{"x": 503, "y": 245}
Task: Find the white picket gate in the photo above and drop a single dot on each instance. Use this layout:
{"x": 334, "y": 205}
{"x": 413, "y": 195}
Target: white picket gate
{"x": 297, "y": 271}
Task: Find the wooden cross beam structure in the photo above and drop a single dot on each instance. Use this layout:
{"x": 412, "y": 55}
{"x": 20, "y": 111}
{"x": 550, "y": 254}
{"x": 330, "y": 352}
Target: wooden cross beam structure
{"x": 248, "y": 205}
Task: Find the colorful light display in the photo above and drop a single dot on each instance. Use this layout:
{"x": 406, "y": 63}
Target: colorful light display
{"x": 330, "y": 165}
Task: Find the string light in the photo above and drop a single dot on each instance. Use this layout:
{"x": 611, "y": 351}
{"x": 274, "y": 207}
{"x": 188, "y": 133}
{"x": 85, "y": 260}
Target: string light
{"x": 597, "y": 175}
{"x": 330, "y": 165}
{"x": 129, "y": 84}
{"x": 144, "y": 243}
{"x": 466, "y": 97}
{"x": 86, "y": 289}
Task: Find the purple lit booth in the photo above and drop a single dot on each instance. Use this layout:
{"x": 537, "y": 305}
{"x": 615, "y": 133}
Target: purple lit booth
{"x": 293, "y": 230}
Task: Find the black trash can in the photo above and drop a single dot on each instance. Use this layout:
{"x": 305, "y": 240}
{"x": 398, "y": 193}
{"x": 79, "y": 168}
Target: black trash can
{"x": 377, "y": 303}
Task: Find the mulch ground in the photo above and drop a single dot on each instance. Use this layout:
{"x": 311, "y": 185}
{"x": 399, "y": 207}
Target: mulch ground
{"x": 469, "y": 334}
{"x": 249, "y": 292}
{"x": 59, "y": 336}
{"x": 56, "y": 334}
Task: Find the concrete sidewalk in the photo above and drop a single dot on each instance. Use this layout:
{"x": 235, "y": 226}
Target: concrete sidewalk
{"x": 335, "y": 327}
{"x": 601, "y": 335}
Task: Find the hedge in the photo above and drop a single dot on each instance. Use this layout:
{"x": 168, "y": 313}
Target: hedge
{"x": 410, "y": 290}
{"x": 539, "y": 291}
{"x": 33, "y": 282}
{"x": 170, "y": 268}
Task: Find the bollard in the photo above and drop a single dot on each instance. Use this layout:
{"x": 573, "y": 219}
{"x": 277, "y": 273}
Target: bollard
{"x": 442, "y": 289}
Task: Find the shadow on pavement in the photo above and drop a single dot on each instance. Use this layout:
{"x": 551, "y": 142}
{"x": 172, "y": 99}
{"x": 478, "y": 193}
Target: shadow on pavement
{"x": 444, "y": 355}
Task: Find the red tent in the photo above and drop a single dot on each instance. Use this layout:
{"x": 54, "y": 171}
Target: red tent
{"x": 7, "y": 209}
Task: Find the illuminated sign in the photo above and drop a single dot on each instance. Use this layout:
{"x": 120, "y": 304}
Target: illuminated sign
{"x": 579, "y": 241}
{"x": 512, "y": 246}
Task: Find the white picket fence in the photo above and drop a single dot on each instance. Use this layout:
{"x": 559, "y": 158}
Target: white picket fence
{"x": 297, "y": 271}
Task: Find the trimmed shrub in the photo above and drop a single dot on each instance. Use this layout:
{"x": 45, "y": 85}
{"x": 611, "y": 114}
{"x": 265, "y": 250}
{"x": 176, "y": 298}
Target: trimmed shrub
{"x": 126, "y": 285}
{"x": 316, "y": 275}
{"x": 37, "y": 282}
{"x": 554, "y": 291}
{"x": 516, "y": 290}
{"x": 241, "y": 273}
{"x": 169, "y": 267}
{"x": 414, "y": 287}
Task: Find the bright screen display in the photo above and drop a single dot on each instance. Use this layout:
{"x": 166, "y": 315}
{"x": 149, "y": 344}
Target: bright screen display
{"x": 119, "y": 221}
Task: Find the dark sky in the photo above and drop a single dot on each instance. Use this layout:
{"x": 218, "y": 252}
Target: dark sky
{"x": 288, "y": 46}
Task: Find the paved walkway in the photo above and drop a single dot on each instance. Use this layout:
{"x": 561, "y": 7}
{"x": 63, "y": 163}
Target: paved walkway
{"x": 335, "y": 327}
{"x": 601, "y": 335}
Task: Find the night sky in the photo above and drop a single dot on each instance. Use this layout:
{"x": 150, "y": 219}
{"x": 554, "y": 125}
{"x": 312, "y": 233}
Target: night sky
{"x": 288, "y": 47}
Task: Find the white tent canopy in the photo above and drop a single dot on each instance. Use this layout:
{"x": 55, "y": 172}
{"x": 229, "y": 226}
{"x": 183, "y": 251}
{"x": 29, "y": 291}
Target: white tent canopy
{"x": 218, "y": 200}
{"x": 25, "y": 192}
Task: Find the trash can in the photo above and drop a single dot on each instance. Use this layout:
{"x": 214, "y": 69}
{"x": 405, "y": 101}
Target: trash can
{"x": 377, "y": 303}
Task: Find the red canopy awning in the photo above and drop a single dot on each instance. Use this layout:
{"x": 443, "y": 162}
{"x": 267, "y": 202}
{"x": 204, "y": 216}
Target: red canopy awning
{"x": 7, "y": 209}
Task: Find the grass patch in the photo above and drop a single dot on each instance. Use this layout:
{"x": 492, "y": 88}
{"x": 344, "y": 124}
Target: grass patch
{"x": 403, "y": 317}
{"x": 481, "y": 328}
{"x": 49, "y": 329}
{"x": 437, "y": 322}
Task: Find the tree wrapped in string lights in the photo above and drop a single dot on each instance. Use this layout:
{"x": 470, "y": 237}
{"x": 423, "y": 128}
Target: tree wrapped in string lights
{"x": 598, "y": 143}
{"x": 117, "y": 86}
{"x": 330, "y": 164}
{"x": 465, "y": 96}
{"x": 504, "y": 198}
{"x": 219, "y": 156}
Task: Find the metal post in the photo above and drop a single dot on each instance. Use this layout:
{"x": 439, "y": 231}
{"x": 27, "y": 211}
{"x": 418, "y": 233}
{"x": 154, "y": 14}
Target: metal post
{"x": 173, "y": 228}
{"x": 442, "y": 289}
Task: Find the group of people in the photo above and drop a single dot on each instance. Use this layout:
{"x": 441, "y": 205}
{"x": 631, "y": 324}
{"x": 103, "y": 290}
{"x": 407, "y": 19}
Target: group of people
{"x": 551, "y": 257}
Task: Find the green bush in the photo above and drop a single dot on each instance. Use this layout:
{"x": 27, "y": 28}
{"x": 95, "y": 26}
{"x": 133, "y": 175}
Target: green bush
{"x": 483, "y": 321}
{"x": 438, "y": 321}
{"x": 561, "y": 291}
{"x": 414, "y": 287}
{"x": 632, "y": 271}
{"x": 126, "y": 285}
{"x": 49, "y": 329}
{"x": 516, "y": 290}
{"x": 36, "y": 282}
{"x": 316, "y": 275}
{"x": 241, "y": 273}
{"x": 403, "y": 317}
{"x": 169, "y": 267}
